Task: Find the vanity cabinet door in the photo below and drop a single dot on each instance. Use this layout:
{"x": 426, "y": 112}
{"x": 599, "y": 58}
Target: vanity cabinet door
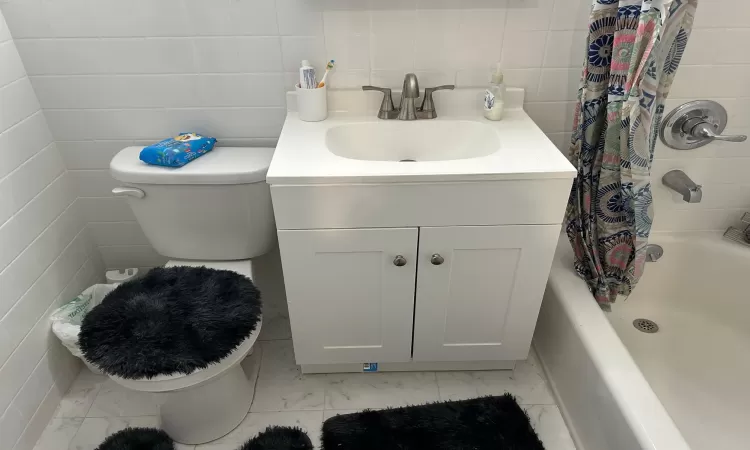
{"x": 350, "y": 293}
{"x": 479, "y": 290}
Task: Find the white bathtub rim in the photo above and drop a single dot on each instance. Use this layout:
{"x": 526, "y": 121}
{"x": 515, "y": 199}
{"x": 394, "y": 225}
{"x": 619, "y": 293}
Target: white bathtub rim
{"x": 644, "y": 413}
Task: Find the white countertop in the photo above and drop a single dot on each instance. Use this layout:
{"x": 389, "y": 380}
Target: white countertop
{"x": 525, "y": 152}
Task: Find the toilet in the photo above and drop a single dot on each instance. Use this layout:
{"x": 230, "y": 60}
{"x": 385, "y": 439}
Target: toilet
{"x": 214, "y": 212}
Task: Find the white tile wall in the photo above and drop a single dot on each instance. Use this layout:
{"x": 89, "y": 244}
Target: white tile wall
{"x": 110, "y": 73}
{"x": 46, "y": 257}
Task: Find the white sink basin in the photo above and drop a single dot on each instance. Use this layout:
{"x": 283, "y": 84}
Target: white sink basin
{"x": 421, "y": 140}
{"x": 353, "y": 146}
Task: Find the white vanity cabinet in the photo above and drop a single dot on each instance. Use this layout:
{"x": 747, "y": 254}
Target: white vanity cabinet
{"x": 479, "y": 290}
{"x": 429, "y": 294}
{"x": 348, "y": 299}
{"x": 416, "y": 245}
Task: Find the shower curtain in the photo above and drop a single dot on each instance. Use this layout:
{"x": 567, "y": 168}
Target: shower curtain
{"x": 634, "y": 48}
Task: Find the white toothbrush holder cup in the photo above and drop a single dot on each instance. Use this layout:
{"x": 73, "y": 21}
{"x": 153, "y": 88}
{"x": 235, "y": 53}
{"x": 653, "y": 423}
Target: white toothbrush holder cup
{"x": 312, "y": 104}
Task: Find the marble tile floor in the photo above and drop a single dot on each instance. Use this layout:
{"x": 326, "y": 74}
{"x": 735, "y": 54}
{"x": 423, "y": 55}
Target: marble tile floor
{"x": 96, "y": 407}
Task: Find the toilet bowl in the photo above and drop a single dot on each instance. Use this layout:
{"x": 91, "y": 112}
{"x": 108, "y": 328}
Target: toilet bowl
{"x": 214, "y": 212}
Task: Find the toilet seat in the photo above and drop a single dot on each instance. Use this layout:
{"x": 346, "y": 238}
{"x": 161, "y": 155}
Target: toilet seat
{"x": 176, "y": 382}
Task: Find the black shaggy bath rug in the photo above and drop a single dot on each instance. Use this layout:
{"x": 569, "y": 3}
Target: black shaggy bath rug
{"x": 279, "y": 438}
{"x": 173, "y": 320}
{"x": 487, "y": 423}
{"x": 138, "y": 439}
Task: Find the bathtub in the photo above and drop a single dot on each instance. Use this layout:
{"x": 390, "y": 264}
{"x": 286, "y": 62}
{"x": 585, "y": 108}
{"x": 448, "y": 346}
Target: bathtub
{"x": 684, "y": 387}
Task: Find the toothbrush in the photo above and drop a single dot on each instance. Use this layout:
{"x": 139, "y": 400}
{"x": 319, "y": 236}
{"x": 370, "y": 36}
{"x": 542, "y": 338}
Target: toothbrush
{"x": 329, "y": 67}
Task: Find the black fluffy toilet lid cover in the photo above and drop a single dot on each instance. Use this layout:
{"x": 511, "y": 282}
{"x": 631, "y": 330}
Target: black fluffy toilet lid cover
{"x": 173, "y": 320}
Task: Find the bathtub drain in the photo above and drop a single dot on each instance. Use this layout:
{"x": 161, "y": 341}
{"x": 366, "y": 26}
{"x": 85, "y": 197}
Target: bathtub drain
{"x": 645, "y": 325}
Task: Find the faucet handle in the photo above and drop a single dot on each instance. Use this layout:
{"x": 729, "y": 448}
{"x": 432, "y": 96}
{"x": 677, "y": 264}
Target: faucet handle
{"x": 428, "y": 105}
{"x": 386, "y": 106}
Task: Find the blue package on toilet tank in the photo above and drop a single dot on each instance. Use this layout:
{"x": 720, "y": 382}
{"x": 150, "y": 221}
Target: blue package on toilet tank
{"x": 177, "y": 151}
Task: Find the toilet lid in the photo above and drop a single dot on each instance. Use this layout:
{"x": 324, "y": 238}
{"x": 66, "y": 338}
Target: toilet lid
{"x": 174, "y": 320}
{"x": 222, "y": 165}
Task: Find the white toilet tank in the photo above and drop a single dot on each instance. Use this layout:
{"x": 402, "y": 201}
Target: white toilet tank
{"x": 216, "y": 208}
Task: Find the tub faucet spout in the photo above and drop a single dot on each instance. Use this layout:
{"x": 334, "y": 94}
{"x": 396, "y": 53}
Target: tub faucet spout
{"x": 679, "y": 182}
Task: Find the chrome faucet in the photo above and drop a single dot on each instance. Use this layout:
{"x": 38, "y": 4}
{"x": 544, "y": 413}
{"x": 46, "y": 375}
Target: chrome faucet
{"x": 409, "y": 95}
{"x": 408, "y": 110}
{"x": 679, "y": 182}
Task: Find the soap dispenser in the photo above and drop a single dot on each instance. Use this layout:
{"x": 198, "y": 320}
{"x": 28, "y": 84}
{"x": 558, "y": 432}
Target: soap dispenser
{"x": 494, "y": 96}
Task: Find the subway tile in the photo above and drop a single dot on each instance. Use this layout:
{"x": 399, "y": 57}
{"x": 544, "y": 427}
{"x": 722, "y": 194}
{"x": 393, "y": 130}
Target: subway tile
{"x": 84, "y": 155}
{"x": 529, "y": 14}
{"x": 33, "y": 304}
{"x": 24, "y": 19}
{"x": 33, "y": 391}
{"x": 227, "y": 122}
{"x": 17, "y": 102}
{"x": 116, "y": 124}
{"x": 20, "y": 275}
{"x": 300, "y": 17}
{"x": 61, "y": 56}
{"x": 16, "y": 370}
{"x": 93, "y": 183}
{"x": 233, "y": 18}
{"x": 11, "y": 427}
{"x": 527, "y": 79}
{"x": 725, "y": 81}
{"x": 565, "y": 49}
{"x": 731, "y": 14}
{"x": 523, "y": 49}
{"x": 436, "y": 40}
{"x": 339, "y": 24}
{"x": 392, "y": 52}
{"x": 114, "y": 18}
{"x": 348, "y": 79}
{"x": 693, "y": 219}
{"x": 297, "y": 48}
{"x": 701, "y": 47}
{"x": 108, "y": 56}
{"x": 392, "y": 22}
{"x": 351, "y": 52}
{"x": 238, "y": 54}
{"x": 552, "y": 117}
{"x": 561, "y": 141}
{"x": 4, "y": 31}
{"x": 726, "y": 48}
{"x": 39, "y": 422}
{"x": 559, "y": 85}
{"x": 117, "y": 91}
{"x": 29, "y": 180}
{"x": 18, "y": 232}
{"x": 570, "y": 15}
{"x": 11, "y": 68}
{"x": 241, "y": 90}
{"x": 23, "y": 141}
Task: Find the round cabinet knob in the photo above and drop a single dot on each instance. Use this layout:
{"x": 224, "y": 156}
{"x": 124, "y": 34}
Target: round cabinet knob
{"x": 400, "y": 261}
{"x": 436, "y": 259}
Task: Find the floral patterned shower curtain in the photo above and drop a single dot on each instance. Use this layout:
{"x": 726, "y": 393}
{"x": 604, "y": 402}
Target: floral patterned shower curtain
{"x": 634, "y": 49}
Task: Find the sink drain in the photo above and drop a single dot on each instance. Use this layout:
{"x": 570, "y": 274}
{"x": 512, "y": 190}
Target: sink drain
{"x": 408, "y": 160}
{"x": 645, "y": 325}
